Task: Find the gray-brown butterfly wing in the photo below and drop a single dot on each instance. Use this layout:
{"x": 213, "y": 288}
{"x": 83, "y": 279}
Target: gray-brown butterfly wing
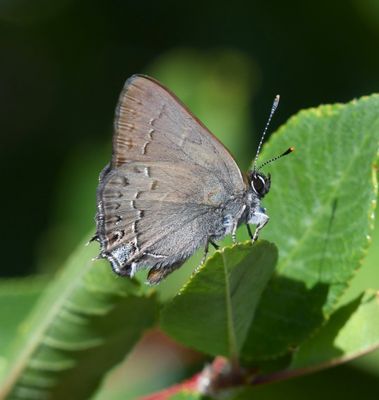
{"x": 149, "y": 115}
{"x": 167, "y": 178}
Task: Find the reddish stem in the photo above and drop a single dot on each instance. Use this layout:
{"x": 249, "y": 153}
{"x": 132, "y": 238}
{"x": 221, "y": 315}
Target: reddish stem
{"x": 190, "y": 385}
{"x": 214, "y": 378}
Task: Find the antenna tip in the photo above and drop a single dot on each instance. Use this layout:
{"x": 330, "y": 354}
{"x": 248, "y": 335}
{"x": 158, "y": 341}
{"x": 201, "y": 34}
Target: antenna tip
{"x": 276, "y": 102}
{"x": 288, "y": 151}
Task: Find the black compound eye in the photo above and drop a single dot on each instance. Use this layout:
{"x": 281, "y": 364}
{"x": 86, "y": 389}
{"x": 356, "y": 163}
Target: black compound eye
{"x": 258, "y": 183}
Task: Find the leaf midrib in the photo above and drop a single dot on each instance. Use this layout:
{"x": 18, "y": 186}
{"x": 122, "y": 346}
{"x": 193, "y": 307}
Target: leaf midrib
{"x": 233, "y": 348}
{"x": 24, "y": 356}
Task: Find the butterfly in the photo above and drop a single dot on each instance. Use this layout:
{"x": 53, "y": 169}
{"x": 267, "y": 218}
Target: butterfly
{"x": 171, "y": 186}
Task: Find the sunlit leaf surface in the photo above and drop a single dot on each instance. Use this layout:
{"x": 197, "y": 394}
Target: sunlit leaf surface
{"x": 321, "y": 207}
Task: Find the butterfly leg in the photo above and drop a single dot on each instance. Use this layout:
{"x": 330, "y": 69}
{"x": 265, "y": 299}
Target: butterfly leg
{"x": 93, "y": 238}
{"x": 216, "y": 246}
{"x": 233, "y": 223}
{"x": 260, "y": 218}
{"x": 249, "y": 231}
{"x": 234, "y": 232}
{"x": 206, "y": 250}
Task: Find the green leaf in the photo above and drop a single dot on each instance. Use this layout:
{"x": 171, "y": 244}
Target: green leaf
{"x": 353, "y": 330}
{"x": 367, "y": 277}
{"x": 321, "y": 208}
{"x": 17, "y": 297}
{"x": 213, "y": 312}
{"x": 85, "y": 323}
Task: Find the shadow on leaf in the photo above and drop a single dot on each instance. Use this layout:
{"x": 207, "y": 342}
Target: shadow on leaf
{"x": 284, "y": 318}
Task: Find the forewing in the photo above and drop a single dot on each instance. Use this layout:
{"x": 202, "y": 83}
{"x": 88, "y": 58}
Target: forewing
{"x": 167, "y": 177}
{"x": 152, "y": 124}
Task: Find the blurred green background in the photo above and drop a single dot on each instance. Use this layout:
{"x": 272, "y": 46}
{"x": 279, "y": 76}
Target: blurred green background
{"x": 63, "y": 64}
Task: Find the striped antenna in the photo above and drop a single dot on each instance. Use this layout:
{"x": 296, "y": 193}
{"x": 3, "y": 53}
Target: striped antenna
{"x": 288, "y": 151}
{"x": 273, "y": 108}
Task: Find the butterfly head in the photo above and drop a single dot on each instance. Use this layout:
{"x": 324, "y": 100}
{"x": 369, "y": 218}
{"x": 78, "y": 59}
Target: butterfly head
{"x": 260, "y": 183}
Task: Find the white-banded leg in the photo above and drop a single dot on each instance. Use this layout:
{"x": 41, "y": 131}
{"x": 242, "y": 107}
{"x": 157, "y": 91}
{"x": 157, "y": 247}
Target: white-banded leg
{"x": 234, "y": 232}
{"x": 206, "y": 251}
{"x": 235, "y": 224}
{"x": 260, "y": 219}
